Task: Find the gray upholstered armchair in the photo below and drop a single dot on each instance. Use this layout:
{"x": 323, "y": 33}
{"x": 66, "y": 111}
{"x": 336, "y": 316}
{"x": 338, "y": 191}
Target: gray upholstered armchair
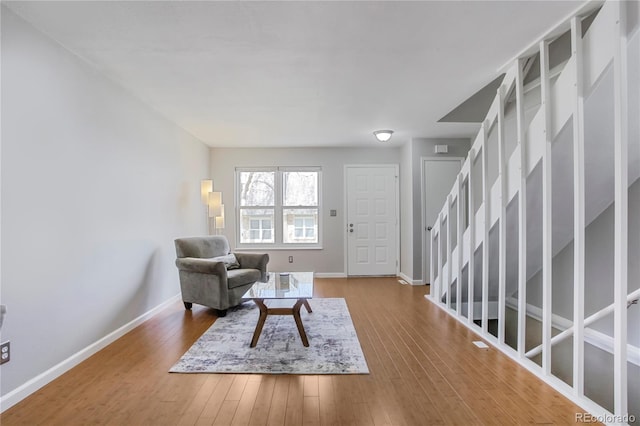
{"x": 212, "y": 276}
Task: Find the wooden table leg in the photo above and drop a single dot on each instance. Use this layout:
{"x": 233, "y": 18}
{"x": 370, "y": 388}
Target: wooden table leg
{"x": 261, "y": 320}
{"x": 306, "y": 305}
{"x": 296, "y": 316}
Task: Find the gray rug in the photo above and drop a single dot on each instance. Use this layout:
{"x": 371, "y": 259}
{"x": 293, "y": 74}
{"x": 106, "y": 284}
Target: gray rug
{"x": 333, "y": 343}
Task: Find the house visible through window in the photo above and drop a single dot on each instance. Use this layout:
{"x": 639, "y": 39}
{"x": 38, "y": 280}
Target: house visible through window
{"x": 278, "y": 206}
{"x": 260, "y": 230}
{"x": 304, "y": 227}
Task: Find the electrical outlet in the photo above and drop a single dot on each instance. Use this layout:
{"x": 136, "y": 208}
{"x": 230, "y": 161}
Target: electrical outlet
{"x": 290, "y": 259}
{"x": 5, "y": 352}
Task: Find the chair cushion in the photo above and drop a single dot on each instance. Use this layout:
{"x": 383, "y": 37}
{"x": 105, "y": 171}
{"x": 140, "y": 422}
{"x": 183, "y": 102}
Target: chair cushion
{"x": 202, "y": 247}
{"x": 229, "y": 260}
{"x": 240, "y": 277}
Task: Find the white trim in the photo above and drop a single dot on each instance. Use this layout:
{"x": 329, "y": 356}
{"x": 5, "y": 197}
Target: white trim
{"x": 18, "y": 394}
{"x": 471, "y": 264}
{"x": 522, "y": 209}
{"x": 449, "y": 251}
{"x": 410, "y": 280}
{"x": 557, "y": 384}
{"x": 503, "y": 195}
{"x": 578, "y": 208}
{"x": 268, "y": 248}
{"x": 547, "y": 212}
{"x": 486, "y": 192}
{"x": 330, "y": 275}
{"x": 459, "y": 243}
{"x": 441, "y": 281}
{"x": 621, "y": 211}
{"x": 278, "y": 209}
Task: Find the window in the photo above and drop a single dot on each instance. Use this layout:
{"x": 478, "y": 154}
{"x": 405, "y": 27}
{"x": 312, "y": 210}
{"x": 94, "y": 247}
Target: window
{"x": 260, "y": 230}
{"x": 278, "y": 206}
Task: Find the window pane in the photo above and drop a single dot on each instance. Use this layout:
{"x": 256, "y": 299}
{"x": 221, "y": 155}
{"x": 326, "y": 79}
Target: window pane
{"x": 300, "y": 226}
{"x": 257, "y": 188}
{"x": 259, "y": 218}
{"x": 300, "y": 188}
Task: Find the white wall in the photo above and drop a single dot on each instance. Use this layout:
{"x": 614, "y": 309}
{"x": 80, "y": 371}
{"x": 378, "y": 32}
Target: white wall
{"x": 95, "y": 187}
{"x": 330, "y": 259}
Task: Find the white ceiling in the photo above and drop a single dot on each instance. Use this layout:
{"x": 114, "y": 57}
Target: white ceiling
{"x": 278, "y": 74}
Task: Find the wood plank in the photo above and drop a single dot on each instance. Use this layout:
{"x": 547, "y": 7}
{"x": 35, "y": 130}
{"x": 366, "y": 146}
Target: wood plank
{"x": 311, "y": 410}
{"x": 279, "y": 401}
{"x": 247, "y": 401}
{"x": 295, "y": 401}
{"x": 260, "y": 411}
{"x": 326, "y": 401}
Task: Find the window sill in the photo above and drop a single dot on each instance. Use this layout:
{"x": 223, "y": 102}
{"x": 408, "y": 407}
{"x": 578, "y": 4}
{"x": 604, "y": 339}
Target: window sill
{"x": 273, "y": 248}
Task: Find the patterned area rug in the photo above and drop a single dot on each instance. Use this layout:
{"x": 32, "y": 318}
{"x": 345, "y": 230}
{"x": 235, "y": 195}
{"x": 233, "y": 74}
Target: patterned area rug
{"x": 333, "y": 344}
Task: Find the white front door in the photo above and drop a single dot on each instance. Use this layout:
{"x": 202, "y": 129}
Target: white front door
{"x": 439, "y": 176}
{"x": 372, "y": 225}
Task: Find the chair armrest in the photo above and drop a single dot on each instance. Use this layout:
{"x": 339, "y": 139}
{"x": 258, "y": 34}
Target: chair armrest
{"x": 202, "y": 266}
{"x": 254, "y": 261}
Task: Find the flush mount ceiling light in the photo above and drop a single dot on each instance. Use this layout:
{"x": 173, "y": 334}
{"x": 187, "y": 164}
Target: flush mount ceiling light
{"x": 383, "y": 135}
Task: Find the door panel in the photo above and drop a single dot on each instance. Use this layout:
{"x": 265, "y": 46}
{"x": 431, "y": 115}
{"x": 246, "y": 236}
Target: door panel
{"x": 371, "y": 220}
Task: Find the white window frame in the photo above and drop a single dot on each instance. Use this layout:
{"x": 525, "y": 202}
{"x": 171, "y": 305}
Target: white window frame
{"x": 278, "y": 208}
{"x": 304, "y": 226}
{"x": 260, "y": 229}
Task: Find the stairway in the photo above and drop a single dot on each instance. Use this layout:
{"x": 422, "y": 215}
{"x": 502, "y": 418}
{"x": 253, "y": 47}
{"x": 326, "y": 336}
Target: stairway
{"x": 500, "y": 274}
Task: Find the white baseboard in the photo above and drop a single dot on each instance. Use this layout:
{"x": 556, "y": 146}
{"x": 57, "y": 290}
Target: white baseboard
{"x": 330, "y": 275}
{"x": 409, "y": 280}
{"x": 21, "y": 392}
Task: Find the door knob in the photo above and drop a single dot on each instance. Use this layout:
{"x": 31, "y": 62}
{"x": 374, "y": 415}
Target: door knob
{"x": 351, "y": 230}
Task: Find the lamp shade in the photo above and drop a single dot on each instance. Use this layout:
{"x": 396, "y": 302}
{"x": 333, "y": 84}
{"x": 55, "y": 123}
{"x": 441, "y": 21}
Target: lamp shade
{"x": 206, "y": 186}
{"x": 220, "y": 219}
{"x": 215, "y": 204}
{"x": 383, "y": 135}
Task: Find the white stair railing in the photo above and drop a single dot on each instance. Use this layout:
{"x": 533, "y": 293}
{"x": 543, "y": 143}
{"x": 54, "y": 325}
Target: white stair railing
{"x": 486, "y": 185}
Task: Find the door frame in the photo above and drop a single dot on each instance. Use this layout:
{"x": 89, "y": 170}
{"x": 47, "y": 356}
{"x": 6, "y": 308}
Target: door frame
{"x": 423, "y": 228}
{"x": 396, "y": 169}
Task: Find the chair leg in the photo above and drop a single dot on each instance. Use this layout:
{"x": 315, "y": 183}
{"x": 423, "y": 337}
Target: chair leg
{"x": 188, "y": 305}
{"x": 221, "y": 313}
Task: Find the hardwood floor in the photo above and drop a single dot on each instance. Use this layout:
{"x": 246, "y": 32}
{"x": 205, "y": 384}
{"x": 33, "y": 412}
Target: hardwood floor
{"x": 424, "y": 371}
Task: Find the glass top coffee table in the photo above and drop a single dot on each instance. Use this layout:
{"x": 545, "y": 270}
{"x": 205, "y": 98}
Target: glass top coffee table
{"x": 282, "y": 286}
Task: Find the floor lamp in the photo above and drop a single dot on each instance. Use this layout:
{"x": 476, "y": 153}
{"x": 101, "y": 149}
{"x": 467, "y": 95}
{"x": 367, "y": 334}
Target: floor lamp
{"x": 214, "y": 207}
